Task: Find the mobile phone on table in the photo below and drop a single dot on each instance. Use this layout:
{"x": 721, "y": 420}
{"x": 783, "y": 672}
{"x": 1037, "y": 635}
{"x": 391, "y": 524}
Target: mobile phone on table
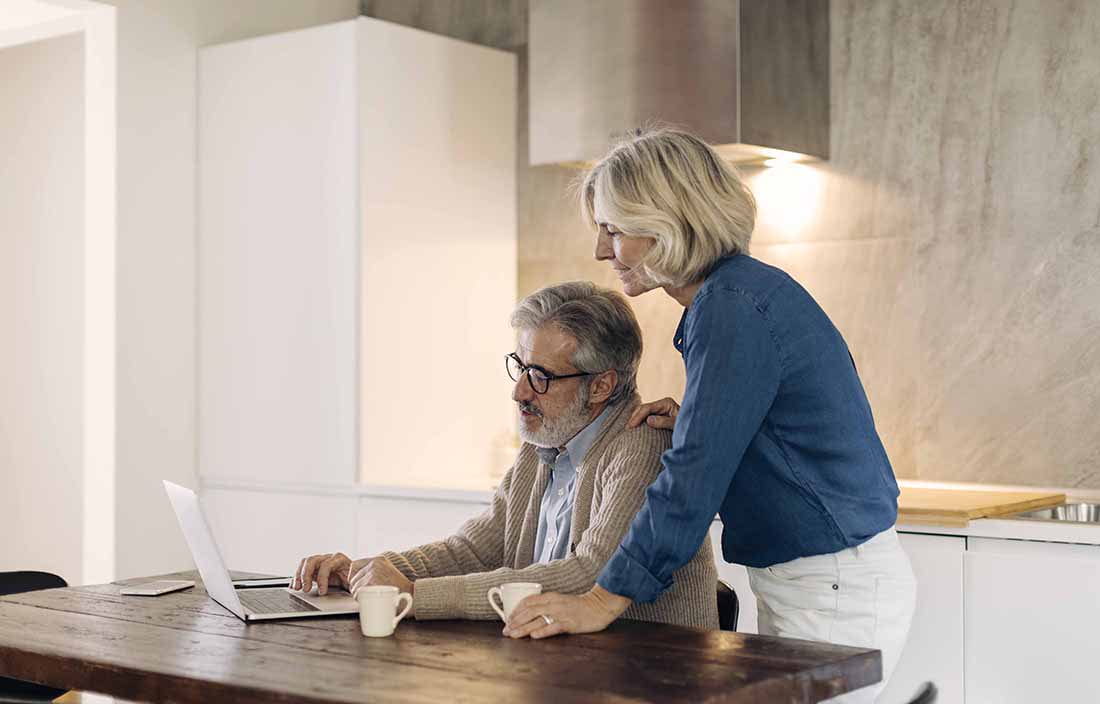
{"x": 161, "y": 586}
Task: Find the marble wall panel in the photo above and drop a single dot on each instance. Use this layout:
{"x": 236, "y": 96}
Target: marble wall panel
{"x": 953, "y": 236}
{"x": 1010, "y": 366}
{"x": 497, "y": 23}
{"x": 867, "y": 288}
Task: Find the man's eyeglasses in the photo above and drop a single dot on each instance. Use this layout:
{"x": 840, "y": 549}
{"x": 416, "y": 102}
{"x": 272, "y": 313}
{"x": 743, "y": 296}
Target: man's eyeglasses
{"x": 537, "y": 377}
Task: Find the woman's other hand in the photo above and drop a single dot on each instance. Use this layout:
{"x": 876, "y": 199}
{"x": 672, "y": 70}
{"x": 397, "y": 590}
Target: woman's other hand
{"x": 655, "y": 414}
{"x": 544, "y": 615}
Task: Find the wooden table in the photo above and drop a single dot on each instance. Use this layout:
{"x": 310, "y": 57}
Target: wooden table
{"x": 183, "y": 647}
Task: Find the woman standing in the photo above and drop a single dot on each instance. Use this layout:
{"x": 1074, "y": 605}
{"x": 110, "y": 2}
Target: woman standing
{"x": 775, "y": 433}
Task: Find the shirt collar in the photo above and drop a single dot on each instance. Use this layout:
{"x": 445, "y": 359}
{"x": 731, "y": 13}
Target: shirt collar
{"x": 708, "y": 283}
{"x": 579, "y": 445}
{"x": 678, "y": 338}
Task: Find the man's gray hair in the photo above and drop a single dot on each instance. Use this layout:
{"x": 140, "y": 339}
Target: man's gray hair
{"x": 599, "y": 319}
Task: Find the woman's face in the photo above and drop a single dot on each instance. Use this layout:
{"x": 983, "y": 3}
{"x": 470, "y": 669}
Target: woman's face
{"x": 625, "y": 253}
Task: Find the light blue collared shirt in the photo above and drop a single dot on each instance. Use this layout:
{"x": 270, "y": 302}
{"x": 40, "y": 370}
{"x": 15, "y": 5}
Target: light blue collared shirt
{"x": 556, "y": 510}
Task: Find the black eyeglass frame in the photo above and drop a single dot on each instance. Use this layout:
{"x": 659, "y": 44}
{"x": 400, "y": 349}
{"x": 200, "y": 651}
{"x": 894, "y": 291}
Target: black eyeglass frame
{"x": 525, "y": 369}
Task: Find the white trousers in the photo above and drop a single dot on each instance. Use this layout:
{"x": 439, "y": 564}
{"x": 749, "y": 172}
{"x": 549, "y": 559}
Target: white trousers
{"x": 862, "y": 596}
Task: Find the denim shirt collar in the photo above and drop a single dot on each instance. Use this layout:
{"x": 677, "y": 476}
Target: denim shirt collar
{"x": 678, "y": 338}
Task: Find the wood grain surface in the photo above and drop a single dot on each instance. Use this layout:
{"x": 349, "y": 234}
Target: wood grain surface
{"x": 183, "y": 647}
{"x": 960, "y": 506}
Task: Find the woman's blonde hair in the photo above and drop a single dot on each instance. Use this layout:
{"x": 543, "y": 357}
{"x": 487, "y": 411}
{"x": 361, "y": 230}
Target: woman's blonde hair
{"x": 673, "y": 187}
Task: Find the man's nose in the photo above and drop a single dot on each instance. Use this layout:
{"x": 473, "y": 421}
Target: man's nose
{"x": 604, "y": 249}
{"x": 521, "y": 390}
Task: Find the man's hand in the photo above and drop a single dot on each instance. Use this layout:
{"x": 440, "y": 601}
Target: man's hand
{"x": 656, "y": 414}
{"x": 590, "y": 612}
{"x": 378, "y": 571}
{"x": 327, "y": 570}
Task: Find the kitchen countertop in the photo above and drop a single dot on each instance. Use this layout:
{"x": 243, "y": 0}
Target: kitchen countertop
{"x": 1016, "y": 529}
{"x": 1010, "y": 528}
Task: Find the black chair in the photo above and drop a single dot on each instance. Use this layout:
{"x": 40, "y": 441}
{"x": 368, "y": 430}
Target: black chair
{"x": 17, "y": 583}
{"x": 727, "y": 607}
{"x": 926, "y": 695}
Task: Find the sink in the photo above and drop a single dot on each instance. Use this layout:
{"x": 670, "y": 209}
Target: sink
{"x": 1077, "y": 512}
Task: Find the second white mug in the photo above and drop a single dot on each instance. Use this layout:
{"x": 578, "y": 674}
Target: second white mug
{"x": 511, "y": 594}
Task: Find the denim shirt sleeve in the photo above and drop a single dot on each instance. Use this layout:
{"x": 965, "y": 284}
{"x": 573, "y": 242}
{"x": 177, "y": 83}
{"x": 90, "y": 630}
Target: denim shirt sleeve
{"x": 733, "y": 371}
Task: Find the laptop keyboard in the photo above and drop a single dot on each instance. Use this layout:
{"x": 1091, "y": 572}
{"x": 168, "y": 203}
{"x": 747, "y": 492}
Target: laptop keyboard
{"x": 272, "y": 601}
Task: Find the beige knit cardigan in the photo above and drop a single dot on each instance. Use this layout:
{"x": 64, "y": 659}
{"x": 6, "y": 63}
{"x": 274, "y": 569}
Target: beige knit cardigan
{"x": 452, "y": 576}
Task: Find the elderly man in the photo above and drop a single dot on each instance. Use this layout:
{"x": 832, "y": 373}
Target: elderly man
{"x": 579, "y": 479}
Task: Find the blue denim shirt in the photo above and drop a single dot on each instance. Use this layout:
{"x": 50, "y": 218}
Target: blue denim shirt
{"x": 775, "y": 435}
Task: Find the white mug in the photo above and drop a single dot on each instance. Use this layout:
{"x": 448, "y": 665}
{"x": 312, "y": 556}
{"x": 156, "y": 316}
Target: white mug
{"x": 511, "y": 594}
{"x": 376, "y": 608}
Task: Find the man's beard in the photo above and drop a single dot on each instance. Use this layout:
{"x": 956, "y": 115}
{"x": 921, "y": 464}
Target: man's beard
{"x": 557, "y": 432}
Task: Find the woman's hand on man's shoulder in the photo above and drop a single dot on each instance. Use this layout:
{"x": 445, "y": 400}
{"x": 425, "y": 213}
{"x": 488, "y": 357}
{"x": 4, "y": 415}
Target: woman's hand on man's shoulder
{"x": 655, "y": 414}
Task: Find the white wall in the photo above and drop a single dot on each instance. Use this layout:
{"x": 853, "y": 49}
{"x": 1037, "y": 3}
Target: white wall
{"x": 41, "y": 305}
{"x": 157, "y": 46}
{"x": 59, "y": 190}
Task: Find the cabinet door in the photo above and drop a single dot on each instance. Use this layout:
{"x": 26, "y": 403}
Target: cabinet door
{"x": 278, "y": 244}
{"x": 1032, "y": 615}
{"x": 265, "y": 531}
{"x": 438, "y": 257}
{"x": 397, "y": 523}
{"x": 934, "y": 650}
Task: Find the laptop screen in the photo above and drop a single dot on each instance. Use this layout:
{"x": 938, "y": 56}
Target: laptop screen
{"x": 204, "y": 551}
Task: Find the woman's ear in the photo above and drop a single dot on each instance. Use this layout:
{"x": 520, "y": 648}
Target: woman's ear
{"x": 602, "y": 386}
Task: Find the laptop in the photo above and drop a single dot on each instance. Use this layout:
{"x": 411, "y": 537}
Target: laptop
{"x": 256, "y": 604}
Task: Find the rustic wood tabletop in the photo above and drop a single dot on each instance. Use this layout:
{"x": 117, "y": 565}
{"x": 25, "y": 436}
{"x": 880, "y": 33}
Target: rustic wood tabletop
{"x": 184, "y": 647}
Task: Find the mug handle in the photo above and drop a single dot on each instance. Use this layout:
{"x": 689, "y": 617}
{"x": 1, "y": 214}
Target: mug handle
{"x": 408, "y": 605}
{"x": 495, "y": 591}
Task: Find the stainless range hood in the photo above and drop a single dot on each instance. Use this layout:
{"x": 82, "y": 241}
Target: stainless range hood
{"x": 749, "y": 75}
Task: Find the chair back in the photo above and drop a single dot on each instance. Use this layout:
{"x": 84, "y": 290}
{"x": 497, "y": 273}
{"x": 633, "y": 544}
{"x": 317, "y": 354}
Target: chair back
{"x": 16, "y": 583}
{"x": 727, "y": 607}
{"x": 926, "y": 695}
{"x": 19, "y": 582}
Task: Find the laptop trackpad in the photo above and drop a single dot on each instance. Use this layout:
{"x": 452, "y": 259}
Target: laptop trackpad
{"x": 335, "y": 600}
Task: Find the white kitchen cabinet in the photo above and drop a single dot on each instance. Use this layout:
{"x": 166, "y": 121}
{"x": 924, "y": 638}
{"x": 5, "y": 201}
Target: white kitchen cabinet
{"x": 356, "y": 258}
{"x": 934, "y": 650}
{"x": 269, "y": 532}
{"x": 1032, "y": 613}
{"x": 397, "y": 523}
{"x": 277, "y": 270}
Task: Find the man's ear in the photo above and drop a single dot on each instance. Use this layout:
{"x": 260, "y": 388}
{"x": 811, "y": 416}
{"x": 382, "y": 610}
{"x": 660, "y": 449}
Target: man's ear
{"x": 602, "y": 386}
